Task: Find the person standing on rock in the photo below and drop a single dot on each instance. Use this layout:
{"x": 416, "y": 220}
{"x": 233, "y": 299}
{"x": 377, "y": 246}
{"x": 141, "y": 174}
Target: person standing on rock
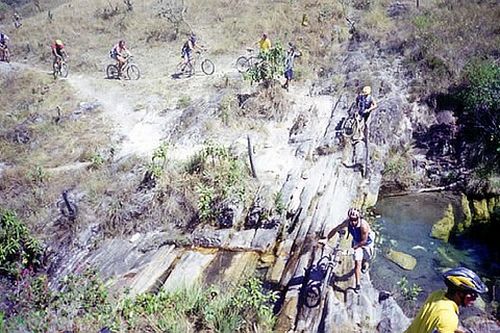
{"x": 362, "y": 242}
{"x": 440, "y": 311}
{"x": 365, "y": 103}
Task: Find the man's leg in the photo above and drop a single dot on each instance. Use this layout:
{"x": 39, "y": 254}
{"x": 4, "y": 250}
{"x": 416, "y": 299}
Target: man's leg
{"x": 358, "y": 257}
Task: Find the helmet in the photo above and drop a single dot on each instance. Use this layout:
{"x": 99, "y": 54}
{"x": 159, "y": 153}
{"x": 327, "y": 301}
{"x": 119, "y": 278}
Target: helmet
{"x": 464, "y": 279}
{"x": 59, "y": 42}
{"x": 353, "y": 213}
{"x": 367, "y": 90}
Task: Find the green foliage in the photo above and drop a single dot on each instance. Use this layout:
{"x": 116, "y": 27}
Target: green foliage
{"x": 82, "y": 304}
{"x": 269, "y": 67}
{"x": 97, "y": 160}
{"x": 219, "y": 175}
{"x": 212, "y": 309}
{"x": 480, "y": 95}
{"x": 19, "y": 249}
{"x": 398, "y": 168}
{"x": 38, "y": 175}
{"x": 158, "y": 161}
{"x": 407, "y": 291}
{"x": 184, "y": 102}
{"x": 279, "y": 205}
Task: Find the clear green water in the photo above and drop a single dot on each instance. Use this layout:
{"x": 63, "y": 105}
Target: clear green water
{"x": 404, "y": 224}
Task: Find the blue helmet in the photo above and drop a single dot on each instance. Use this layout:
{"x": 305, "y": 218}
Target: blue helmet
{"x": 464, "y": 279}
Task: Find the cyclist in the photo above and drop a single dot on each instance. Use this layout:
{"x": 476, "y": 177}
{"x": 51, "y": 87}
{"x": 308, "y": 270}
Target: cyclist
{"x": 264, "y": 43}
{"x": 17, "y": 20}
{"x": 120, "y": 53}
{"x": 58, "y": 51}
{"x": 291, "y": 54}
{"x": 440, "y": 311}
{"x": 365, "y": 103}
{"x": 3, "y": 46}
{"x": 188, "y": 47}
{"x": 362, "y": 242}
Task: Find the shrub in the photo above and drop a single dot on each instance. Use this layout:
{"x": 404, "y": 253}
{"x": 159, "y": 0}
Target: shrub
{"x": 269, "y": 67}
{"x": 480, "y": 95}
{"x": 407, "y": 291}
{"x": 19, "y": 249}
{"x": 219, "y": 177}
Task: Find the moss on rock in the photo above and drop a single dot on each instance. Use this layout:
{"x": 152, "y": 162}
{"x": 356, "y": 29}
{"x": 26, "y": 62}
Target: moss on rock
{"x": 442, "y": 228}
{"x": 403, "y": 260}
{"x": 481, "y": 212}
{"x": 467, "y": 220}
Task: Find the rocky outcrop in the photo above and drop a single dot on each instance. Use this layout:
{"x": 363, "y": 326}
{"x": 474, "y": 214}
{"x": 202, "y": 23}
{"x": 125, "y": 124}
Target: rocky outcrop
{"x": 443, "y": 227}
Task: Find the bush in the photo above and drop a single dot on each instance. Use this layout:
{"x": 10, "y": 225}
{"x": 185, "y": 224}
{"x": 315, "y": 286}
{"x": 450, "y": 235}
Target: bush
{"x": 480, "y": 96}
{"x": 269, "y": 67}
{"x": 19, "y": 249}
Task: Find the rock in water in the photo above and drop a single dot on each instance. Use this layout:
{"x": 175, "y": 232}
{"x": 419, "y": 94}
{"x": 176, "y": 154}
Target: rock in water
{"x": 403, "y": 260}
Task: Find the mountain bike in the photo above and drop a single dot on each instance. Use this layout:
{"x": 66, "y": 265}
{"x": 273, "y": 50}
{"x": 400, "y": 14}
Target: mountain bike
{"x": 315, "y": 292}
{"x": 130, "y": 70}
{"x": 244, "y": 63}
{"x": 353, "y": 126}
{"x": 189, "y": 68}
{"x": 60, "y": 68}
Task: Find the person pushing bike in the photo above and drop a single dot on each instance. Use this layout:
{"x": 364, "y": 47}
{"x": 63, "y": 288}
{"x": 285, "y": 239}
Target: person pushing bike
{"x": 58, "y": 51}
{"x": 188, "y": 47}
{"x": 365, "y": 103}
{"x": 4, "y": 48}
{"x": 120, "y": 52}
{"x": 362, "y": 243}
{"x": 440, "y": 310}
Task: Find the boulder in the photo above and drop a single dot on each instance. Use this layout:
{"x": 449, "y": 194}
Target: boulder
{"x": 442, "y": 228}
{"x": 403, "y": 260}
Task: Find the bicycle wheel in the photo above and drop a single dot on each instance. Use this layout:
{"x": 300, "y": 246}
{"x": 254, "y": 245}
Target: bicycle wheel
{"x": 252, "y": 61}
{"x": 242, "y": 64}
{"x": 208, "y": 67}
{"x": 133, "y": 72}
{"x": 349, "y": 127}
{"x": 64, "y": 69}
{"x": 313, "y": 295}
{"x": 112, "y": 72}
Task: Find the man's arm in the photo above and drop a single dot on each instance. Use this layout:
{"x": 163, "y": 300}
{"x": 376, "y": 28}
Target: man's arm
{"x": 373, "y": 106}
{"x": 336, "y": 229}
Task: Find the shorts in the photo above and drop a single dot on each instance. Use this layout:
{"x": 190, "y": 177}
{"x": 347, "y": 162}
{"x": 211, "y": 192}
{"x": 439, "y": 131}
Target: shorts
{"x": 364, "y": 253}
{"x": 289, "y": 74}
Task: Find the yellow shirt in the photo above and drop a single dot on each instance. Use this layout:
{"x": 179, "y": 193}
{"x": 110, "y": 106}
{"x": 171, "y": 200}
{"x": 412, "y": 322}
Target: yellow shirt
{"x": 265, "y": 44}
{"x": 438, "y": 313}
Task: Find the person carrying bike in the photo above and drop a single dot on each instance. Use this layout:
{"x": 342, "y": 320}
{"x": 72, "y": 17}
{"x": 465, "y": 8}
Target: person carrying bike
{"x": 291, "y": 54}
{"x": 440, "y": 311}
{"x": 264, "y": 44}
{"x": 362, "y": 243}
{"x": 188, "y": 47}
{"x": 4, "y": 47}
{"x": 120, "y": 53}
{"x": 58, "y": 51}
{"x": 365, "y": 103}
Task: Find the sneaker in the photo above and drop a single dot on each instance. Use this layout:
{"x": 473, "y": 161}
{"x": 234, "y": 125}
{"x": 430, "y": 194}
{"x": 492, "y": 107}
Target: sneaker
{"x": 357, "y": 288}
{"x": 365, "y": 267}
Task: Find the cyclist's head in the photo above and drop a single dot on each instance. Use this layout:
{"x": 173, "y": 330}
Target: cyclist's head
{"x": 121, "y": 43}
{"x": 264, "y": 35}
{"x": 59, "y": 42}
{"x": 353, "y": 214}
{"x": 463, "y": 279}
{"x": 367, "y": 90}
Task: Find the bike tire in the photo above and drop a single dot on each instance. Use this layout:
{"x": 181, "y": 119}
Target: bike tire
{"x": 112, "y": 72}
{"x": 64, "y": 70}
{"x": 349, "y": 127}
{"x": 208, "y": 67}
{"x": 252, "y": 61}
{"x": 133, "y": 72}
{"x": 242, "y": 64}
{"x": 313, "y": 295}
